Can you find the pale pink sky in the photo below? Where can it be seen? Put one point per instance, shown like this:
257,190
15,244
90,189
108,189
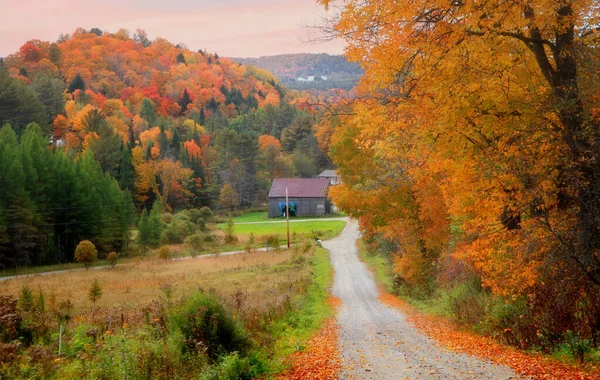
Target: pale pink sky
240,28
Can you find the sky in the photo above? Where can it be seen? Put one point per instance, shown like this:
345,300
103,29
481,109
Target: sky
232,28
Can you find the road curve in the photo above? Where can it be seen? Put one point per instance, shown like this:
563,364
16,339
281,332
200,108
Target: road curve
376,342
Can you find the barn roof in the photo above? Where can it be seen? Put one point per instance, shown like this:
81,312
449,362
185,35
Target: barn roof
299,187
328,173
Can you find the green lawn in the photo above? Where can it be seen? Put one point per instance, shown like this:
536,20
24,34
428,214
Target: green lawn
328,228
261,216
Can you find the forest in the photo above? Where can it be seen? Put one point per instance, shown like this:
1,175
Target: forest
98,127
485,192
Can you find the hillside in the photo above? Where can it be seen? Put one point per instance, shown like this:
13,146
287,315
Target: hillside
329,71
147,125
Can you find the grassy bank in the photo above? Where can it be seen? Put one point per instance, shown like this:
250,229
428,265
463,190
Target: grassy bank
292,332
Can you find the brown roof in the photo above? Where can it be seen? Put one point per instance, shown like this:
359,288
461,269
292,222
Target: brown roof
299,187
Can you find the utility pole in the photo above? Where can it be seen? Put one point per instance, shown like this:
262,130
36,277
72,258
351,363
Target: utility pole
287,215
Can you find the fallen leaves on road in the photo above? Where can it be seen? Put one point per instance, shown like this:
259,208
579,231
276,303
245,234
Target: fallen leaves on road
450,336
321,359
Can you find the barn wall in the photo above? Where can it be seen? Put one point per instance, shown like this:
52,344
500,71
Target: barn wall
306,206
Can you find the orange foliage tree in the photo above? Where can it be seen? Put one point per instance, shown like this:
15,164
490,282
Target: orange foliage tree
474,136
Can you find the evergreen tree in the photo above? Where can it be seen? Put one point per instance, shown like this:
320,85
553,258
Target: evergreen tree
55,53
144,232
107,149
175,146
181,58
163,142
50,92
76,84
202,118
131,143
148,112
126,175
148,153
184,101
20,105
155,224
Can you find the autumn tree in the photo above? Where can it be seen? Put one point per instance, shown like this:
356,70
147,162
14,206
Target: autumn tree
228,198
478,119
86,253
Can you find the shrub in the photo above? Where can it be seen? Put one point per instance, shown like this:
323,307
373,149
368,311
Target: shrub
164,253
206,214
167,218
195,242
234,367
112,259
86,253
201,224
178,230
26,300
229,237
250,243
271,241
10,319
95,292
207,326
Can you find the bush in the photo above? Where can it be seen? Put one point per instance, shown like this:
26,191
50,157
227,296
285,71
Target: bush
26,300
271,241
195,242
201,224
95,292
234,367
466,302
112,259
208,327
86,253
164,253
229,236
206,214
181,227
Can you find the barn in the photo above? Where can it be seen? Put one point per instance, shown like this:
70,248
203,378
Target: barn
307,197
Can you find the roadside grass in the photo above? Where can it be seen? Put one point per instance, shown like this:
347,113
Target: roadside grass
440,304
325,229
293,331
380,266
382,269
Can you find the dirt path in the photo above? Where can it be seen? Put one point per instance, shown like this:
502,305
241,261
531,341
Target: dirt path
376,342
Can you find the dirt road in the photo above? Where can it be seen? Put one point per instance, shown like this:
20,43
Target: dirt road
376,342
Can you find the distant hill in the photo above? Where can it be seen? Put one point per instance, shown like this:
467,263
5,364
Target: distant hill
308,71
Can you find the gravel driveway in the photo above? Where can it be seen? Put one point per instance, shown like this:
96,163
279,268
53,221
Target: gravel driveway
376,342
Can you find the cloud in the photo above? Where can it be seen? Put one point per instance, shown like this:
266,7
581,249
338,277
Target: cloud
231,27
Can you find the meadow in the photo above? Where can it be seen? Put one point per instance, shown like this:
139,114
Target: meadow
264,307
324,229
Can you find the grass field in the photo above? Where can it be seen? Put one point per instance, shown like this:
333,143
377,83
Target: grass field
139,282
261,216
277,300
326,229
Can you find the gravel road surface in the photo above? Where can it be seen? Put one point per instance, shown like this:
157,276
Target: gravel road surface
376,342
